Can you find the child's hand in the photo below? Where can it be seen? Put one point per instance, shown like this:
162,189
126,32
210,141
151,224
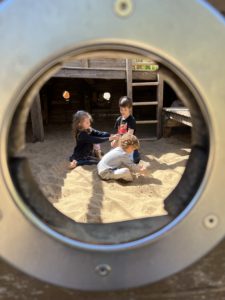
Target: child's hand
143,171
114,144
130,131
114,137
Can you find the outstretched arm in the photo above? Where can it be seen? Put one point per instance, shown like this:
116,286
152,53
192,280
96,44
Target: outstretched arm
97,139
130,164
93,139
98,133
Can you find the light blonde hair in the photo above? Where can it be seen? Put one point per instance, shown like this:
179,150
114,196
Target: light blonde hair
78,117
129,140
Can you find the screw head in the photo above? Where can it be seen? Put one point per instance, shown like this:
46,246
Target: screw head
103,270
123,8
211,221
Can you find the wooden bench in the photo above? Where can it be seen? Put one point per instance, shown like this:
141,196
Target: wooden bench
175,117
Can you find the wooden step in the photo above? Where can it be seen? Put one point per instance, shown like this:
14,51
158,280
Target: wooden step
145,83
147,122
145,103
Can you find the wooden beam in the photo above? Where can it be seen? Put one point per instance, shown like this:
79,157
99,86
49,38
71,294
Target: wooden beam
37,120
97,63
92,73
104,74
107,63
129,77
160,106
144,75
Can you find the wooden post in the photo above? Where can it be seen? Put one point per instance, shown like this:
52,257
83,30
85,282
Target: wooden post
129,77
37,120
160,106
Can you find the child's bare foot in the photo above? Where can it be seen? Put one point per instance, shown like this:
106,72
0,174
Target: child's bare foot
98,154
72,165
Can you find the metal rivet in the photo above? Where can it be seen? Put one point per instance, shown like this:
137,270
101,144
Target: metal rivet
211,221
123,8
103,270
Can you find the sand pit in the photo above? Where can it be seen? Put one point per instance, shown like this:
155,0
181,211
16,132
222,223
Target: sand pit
82,196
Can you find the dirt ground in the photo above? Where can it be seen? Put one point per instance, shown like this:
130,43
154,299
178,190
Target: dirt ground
82,196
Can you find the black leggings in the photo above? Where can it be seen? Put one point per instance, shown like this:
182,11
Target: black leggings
91,160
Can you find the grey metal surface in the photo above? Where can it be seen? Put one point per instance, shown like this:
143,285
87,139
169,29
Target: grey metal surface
58,30
204,280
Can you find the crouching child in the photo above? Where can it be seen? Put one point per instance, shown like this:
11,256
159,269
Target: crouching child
117,164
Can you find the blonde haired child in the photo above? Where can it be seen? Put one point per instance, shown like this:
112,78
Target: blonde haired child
86,137
117,164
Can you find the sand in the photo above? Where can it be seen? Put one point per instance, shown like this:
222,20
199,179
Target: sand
81,195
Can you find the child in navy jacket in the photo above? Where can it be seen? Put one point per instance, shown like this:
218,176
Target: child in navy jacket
87,139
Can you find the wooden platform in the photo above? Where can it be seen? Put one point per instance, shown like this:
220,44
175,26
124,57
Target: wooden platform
105,68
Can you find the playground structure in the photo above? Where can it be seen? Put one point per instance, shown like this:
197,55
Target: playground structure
86,81
138,79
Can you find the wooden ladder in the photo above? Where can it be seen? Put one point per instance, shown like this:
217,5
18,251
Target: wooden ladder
158,103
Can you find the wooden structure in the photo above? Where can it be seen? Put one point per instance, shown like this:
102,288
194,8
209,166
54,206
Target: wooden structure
137,73
175,117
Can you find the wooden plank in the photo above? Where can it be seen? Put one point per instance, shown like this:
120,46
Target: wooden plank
179,114
181,119
107,63
182,111
144,75
145,103
91,73
73,64
147,83
129,78
147,122
160,106
37,120
102,74
98,63
95,69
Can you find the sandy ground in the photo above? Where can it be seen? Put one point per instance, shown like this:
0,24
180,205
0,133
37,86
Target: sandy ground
82,196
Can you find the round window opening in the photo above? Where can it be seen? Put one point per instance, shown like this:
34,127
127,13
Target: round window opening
115,173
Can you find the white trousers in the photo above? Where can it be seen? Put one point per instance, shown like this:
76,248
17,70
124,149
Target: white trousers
122,173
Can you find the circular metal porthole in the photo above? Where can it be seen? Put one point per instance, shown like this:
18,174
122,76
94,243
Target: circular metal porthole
39,240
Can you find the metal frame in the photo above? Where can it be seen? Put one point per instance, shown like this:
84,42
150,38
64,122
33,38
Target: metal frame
30,244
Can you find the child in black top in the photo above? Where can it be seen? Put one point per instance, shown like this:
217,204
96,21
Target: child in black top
86,137
126,123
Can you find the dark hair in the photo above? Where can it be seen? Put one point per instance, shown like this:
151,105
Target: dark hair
78,117
125,102
129,140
